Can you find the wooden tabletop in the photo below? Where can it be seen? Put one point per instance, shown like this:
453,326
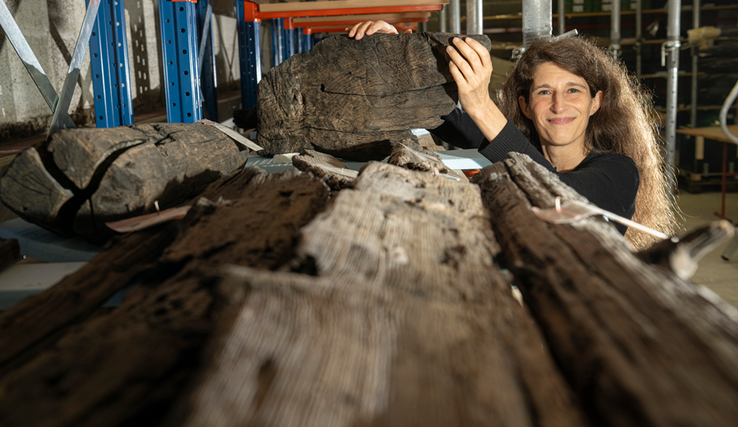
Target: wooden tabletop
711,132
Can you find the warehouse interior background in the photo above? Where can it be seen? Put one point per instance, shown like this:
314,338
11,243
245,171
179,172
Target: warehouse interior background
51,28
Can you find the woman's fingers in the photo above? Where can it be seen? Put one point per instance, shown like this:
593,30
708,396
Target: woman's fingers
360,30
471,55
459,61
368,28
473,61
481,52
457,74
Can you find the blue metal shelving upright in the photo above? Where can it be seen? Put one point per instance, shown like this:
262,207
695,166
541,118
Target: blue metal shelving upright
208,75
249,52
277,43
288,38
306,40
111,81
179,39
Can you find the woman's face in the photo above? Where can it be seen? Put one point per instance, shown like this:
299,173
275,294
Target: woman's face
560,106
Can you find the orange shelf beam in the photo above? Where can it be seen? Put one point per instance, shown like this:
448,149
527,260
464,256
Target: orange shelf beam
252,13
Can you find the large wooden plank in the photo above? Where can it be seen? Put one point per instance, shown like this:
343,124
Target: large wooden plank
638,344
30,191
355,98
403,320
78,295
125,366
83,178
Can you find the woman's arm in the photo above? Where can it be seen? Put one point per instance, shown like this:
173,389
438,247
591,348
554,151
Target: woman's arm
471,67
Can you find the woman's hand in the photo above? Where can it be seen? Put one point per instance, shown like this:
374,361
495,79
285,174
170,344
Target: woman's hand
370,27
472,73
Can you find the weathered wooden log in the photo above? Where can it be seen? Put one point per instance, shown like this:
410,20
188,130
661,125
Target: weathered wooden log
9,252
408,322
639,345
331,170
380,304
682,256
42,317
30,191
354,98
410,155
83,178
124,367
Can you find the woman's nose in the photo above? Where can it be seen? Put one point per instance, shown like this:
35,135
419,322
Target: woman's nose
558,104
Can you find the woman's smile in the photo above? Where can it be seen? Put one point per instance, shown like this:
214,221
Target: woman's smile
559,104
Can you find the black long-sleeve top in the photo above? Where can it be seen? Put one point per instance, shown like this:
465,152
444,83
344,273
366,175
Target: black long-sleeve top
608,180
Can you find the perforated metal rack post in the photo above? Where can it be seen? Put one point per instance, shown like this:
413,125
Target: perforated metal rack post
249,52
179,40
111,82
288,38
305,41
208,75
277,48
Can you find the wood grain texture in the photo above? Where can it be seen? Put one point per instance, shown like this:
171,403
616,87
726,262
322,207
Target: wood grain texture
639,345
79,152
32,193
75,297
354,98
125,366
83,178
409,155
406,322
326,167
279,301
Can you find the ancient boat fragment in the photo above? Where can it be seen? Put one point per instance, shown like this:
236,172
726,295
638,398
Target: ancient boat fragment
355,98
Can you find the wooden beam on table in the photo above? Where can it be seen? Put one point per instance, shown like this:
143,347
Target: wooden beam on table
711,132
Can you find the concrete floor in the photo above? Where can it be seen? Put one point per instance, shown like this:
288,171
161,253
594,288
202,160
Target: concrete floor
714,272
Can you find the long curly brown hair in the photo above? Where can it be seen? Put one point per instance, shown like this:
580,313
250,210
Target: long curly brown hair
626,123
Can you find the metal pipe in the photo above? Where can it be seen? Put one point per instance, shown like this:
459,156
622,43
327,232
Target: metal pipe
474,17
670,58
639,37
536,21
454,14
562,12
443,20
615,30
695,24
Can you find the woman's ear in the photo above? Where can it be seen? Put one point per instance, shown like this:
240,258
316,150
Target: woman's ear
524,106
596,103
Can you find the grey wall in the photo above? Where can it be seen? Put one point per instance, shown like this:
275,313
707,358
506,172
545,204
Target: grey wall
51,28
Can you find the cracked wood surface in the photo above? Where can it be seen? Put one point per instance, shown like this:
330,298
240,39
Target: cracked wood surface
83,366
638,344
354,98
280,301
405,320
83,178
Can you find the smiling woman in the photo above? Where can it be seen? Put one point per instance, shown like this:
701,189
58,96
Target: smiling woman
573,109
